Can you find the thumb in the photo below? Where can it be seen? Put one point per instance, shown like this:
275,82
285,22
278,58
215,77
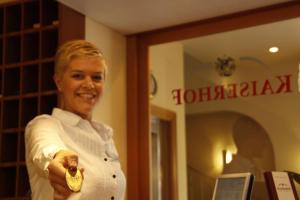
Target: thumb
68,159
81,171
71,162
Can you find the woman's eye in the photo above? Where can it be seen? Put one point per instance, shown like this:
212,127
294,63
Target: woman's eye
97,77
77,76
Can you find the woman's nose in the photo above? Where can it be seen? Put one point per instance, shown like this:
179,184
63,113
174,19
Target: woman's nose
88,83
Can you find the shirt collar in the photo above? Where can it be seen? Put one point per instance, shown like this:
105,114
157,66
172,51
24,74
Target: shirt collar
74,120
66,116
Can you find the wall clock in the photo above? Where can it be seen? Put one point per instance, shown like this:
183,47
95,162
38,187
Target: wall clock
153,85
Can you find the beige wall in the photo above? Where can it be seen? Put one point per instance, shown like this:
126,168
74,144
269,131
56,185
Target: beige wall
277,113
112,107
166,63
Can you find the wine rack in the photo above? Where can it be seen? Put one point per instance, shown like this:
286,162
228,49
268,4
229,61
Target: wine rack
30,32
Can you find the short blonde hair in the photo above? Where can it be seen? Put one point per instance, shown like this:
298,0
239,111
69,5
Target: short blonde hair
75,49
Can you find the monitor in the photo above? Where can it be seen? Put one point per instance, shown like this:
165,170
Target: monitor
237,186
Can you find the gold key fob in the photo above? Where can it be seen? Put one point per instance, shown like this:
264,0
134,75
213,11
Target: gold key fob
74,180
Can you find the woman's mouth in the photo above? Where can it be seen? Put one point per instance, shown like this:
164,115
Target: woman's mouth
87,96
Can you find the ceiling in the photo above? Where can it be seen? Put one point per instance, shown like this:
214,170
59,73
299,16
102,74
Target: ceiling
250,44
134,16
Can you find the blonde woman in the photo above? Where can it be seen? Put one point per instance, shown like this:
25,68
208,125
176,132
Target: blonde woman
67,147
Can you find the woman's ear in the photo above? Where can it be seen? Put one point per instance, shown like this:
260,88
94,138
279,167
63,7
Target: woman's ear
57,80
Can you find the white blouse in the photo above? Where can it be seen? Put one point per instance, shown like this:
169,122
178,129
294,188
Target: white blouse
45,135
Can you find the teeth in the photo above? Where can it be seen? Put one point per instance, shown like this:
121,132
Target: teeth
87,96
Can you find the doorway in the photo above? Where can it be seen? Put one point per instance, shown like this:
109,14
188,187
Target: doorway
163,154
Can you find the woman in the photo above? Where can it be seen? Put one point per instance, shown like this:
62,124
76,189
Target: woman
59,145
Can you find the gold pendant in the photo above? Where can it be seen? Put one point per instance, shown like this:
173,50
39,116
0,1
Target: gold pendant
74,181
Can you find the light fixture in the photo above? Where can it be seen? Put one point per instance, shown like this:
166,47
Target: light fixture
273,49
227,156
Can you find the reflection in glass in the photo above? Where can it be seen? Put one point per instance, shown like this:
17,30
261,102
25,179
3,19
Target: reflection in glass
256,106
162,177
156,159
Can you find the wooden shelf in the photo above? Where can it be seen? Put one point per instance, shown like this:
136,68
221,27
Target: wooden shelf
30,32
30,78
47,102
10,114
13,18
31,41
8,147
29,110
49,42
23,186
1,19
31,15
11,81
47,70
12,49
49,12
8,181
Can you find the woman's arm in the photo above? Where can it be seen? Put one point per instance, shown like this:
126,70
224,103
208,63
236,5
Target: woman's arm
47,152
42,142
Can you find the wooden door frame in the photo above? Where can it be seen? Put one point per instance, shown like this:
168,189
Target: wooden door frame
138,108
170,117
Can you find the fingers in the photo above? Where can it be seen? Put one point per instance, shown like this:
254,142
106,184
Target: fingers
71,162
61,190
56,168
68,159
81,171
58,196
63,160
56,180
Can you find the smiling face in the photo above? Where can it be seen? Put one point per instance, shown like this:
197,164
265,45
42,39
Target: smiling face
81,85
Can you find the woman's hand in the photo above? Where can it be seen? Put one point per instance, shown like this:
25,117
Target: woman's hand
62,161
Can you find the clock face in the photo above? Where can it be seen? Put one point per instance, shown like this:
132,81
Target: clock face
153,86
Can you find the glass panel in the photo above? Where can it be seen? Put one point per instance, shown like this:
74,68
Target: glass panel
156,160
236,103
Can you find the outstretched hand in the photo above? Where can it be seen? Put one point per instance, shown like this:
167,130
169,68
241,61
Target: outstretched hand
63,160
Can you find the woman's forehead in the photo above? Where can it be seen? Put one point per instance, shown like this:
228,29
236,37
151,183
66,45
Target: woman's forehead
86,63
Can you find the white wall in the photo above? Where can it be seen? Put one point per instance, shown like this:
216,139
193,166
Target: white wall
112,107
166,63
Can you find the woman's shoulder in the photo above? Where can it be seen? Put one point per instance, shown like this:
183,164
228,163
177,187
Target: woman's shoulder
43,120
